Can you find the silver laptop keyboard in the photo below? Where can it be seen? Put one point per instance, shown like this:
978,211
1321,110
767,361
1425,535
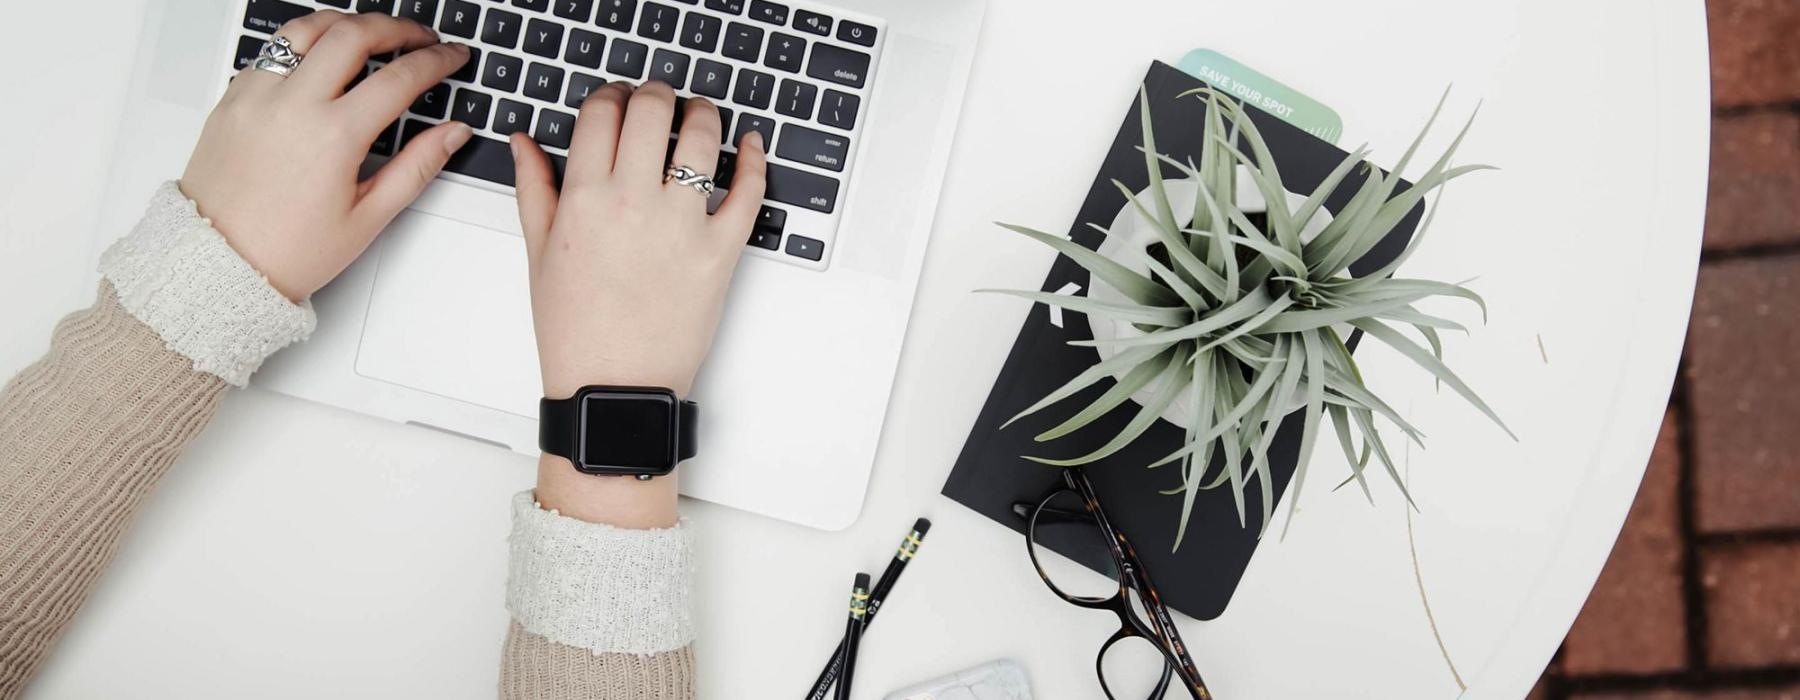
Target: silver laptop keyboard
800,76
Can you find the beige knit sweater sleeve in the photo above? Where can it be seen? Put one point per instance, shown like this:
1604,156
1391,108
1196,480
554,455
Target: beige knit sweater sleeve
87,432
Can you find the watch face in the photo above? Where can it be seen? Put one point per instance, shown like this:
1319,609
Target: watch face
628,432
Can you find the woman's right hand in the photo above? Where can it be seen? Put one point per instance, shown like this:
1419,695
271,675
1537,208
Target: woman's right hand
628,272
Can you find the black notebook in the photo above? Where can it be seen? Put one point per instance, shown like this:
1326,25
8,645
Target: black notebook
990,476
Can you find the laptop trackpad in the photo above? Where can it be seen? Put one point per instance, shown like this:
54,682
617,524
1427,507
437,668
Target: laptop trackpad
451,315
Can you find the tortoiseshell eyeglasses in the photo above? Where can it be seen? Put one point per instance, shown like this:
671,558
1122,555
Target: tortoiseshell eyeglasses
1070,516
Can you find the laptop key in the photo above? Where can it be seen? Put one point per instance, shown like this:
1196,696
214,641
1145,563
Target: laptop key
838,65
771,218
578,10
471,107
725,170
681,113
543,38
700,32
434,103
754,89
616,14
627,59
795,99
764,238
341,4
266,16
813,147
388,142
786,52
802,189
724,124
772,12
670,67
803,247
584,48
554,129
812,22
248,48
839,110
460,18
857,33
533,5
380,7
734,7
658,22
742,42
421,11
484,158
711,78
544,82
501,29
748,122
580,86
469,70
502,72
512,117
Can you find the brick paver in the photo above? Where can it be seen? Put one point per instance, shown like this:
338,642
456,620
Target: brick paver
1762,693
1755,57
1753,193
1752,604
1634,621
1743,375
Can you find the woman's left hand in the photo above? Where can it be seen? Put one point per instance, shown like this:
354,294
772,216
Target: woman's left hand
276,167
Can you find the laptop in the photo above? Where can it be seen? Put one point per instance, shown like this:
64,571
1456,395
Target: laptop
857,99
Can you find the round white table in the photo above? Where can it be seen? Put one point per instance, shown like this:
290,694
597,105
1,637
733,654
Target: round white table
301,551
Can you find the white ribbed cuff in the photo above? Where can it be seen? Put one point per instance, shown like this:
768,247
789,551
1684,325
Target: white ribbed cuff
598,587
177,275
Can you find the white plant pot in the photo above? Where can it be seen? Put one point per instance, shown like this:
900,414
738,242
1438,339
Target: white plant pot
1128,244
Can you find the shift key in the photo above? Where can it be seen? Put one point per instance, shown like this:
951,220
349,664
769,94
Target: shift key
813,147
802,189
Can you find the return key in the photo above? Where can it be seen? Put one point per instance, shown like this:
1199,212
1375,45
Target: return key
813,147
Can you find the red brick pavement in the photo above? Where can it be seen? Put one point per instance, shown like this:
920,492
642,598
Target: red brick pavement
1743,382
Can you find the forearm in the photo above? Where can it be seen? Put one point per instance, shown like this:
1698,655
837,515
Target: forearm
85,433
88,431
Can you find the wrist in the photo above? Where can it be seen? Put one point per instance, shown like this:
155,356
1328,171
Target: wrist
562,385
612,500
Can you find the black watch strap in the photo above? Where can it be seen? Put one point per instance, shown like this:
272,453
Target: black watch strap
559,427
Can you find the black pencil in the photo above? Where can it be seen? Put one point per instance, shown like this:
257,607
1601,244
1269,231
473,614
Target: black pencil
859,610
908,549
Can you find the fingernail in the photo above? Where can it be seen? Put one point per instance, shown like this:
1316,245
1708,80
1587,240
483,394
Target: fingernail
458,136
515,150
754,138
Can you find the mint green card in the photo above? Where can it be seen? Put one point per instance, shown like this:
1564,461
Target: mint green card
1264,93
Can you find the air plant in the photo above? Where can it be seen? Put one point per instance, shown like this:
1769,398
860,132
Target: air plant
1246,322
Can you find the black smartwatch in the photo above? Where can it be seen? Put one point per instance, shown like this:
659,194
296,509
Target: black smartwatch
619,430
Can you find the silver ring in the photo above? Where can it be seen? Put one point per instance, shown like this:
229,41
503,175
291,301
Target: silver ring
690,177
277,56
